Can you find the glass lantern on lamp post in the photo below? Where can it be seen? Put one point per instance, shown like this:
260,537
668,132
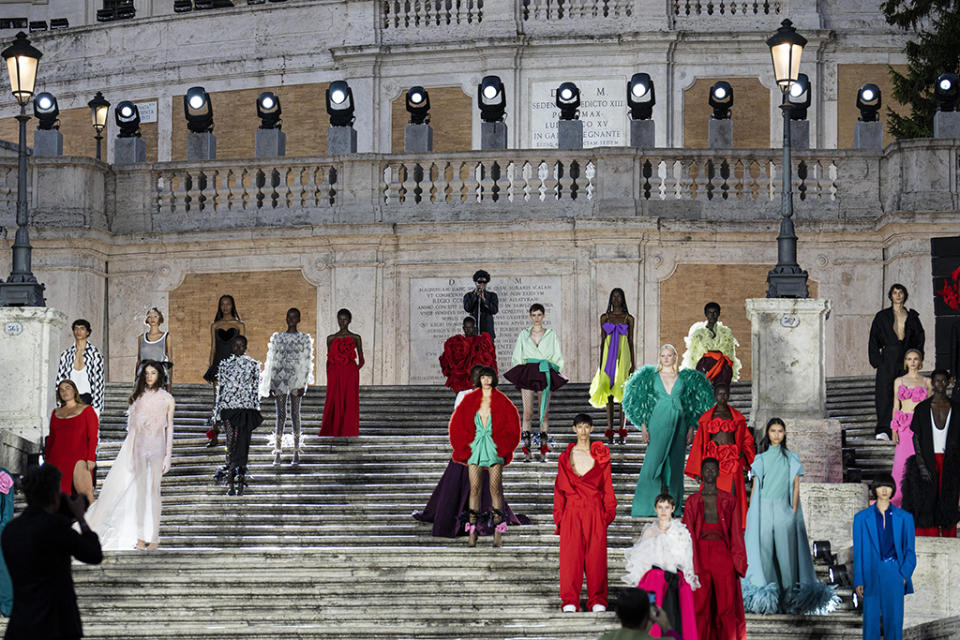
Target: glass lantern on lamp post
787,279
22,289
99,108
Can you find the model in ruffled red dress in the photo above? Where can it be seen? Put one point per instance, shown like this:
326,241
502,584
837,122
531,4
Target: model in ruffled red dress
461,353
341,407
723,434
72,444
584,505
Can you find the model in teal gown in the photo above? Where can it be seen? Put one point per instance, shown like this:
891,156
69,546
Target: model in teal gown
668,416
780,575
6,515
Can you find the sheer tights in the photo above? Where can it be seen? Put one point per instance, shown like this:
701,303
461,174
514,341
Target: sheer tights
531,405
496,490
296,397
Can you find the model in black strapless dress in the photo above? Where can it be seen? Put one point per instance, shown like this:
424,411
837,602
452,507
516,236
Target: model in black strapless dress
221,350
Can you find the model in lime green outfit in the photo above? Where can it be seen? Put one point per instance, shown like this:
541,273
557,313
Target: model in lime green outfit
616,361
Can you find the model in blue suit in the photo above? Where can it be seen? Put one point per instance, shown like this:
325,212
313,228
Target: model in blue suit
883,582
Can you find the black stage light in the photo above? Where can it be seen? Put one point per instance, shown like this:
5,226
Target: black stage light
256,1
198,110
839,575
799,97
492,99
821,551
868,102
38,25
125,9
339,99
568,101
109,11
127,116
212,4
721,99
268,110
418,105
182,6
947,91
46,110
641,96
59,23
13,23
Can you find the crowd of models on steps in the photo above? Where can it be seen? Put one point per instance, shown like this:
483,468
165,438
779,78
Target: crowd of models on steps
727,555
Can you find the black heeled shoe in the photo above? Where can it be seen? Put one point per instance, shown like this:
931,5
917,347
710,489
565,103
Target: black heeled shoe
526,439
241,480
231,481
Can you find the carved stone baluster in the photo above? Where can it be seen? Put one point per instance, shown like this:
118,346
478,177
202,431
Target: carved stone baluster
526,174
695,171
590,172
725,178
543,170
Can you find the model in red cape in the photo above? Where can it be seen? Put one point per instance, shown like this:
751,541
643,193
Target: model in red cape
463,352
661,562
484,431
931,484
719,558
584,505
341,407
450,498
723,434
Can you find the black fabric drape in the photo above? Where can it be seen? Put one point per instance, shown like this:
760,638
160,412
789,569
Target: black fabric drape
886,353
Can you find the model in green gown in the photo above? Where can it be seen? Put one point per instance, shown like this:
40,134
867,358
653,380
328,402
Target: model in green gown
780,575
667,416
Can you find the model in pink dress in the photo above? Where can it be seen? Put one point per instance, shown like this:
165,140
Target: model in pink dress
908,391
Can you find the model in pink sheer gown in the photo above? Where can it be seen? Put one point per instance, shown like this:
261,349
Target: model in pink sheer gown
908,391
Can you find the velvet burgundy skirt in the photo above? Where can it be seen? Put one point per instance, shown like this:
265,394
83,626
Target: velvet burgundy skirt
451,497
528,376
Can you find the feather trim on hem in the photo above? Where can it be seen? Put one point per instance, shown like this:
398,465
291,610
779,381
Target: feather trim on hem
764,600
812,598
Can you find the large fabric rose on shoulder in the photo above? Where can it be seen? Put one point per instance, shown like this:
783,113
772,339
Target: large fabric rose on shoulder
342,351
455,362
483,352
600,452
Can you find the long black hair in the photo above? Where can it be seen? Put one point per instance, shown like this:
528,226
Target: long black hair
233,308
141,385
765,441
623,297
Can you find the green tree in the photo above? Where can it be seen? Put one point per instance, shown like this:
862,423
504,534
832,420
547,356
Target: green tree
936,50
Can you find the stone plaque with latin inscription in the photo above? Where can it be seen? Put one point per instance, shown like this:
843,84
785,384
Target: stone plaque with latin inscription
603,111
436,313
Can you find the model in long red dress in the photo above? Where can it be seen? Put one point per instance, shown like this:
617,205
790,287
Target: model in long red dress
583,508
720,560
734,458
71,440
341,407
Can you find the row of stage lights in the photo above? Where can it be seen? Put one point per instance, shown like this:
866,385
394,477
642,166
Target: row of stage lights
491,100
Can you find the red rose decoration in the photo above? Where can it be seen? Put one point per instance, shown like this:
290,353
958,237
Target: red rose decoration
342,351
455,362
211,434
600,452
483,352
951,293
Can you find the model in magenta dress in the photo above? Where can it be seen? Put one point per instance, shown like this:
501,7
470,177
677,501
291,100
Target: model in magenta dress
906,397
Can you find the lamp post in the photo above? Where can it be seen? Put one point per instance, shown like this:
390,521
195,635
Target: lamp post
99,108
22,289
787,279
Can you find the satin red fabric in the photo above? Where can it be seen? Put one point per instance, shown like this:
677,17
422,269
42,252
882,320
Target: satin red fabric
341,407
71,440
732,463
583,508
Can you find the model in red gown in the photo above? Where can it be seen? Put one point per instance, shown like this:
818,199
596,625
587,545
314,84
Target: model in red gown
583,508
463,352
719,559
735,457
71,440
341,407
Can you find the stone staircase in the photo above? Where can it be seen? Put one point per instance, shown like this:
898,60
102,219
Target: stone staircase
329,550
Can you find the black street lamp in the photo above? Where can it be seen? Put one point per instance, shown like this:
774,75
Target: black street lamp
99,108
787,279
22,289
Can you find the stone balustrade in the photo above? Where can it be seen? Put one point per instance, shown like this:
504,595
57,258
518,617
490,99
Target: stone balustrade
742,185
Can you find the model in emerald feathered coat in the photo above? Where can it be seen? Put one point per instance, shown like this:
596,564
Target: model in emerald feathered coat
665,404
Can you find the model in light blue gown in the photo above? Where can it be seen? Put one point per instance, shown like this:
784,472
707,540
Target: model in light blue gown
780,575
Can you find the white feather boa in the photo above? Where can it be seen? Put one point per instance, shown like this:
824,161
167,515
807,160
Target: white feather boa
671,550
699,341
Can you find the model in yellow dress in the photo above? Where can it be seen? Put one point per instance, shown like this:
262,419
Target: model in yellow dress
616,361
